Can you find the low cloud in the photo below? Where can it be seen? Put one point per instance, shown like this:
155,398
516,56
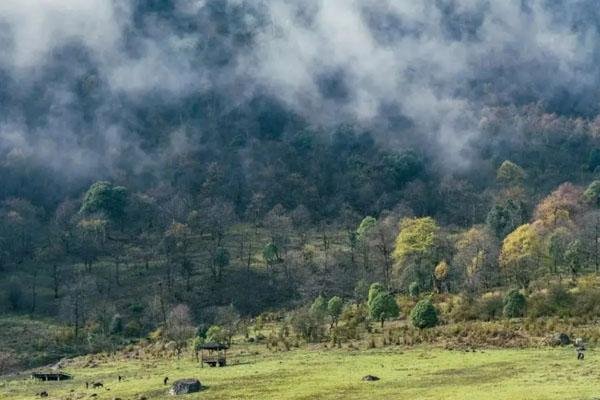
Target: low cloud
413,72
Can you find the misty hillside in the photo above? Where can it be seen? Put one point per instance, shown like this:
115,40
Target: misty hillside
160,93
223,162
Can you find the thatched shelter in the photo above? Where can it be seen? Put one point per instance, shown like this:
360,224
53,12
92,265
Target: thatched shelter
214,354
51,376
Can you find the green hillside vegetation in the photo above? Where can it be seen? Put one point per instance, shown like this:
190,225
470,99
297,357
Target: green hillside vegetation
108,271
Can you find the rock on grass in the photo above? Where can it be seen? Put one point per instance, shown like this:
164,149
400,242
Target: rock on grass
185,386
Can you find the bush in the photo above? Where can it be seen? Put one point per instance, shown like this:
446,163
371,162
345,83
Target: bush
229,320
307,325
374,290
557,301
413,289
586,304
424,315
334,308
489,307
116,325
133,329
156,335
216,334
319,308
197,342
15,295
514,304
355,320
383,307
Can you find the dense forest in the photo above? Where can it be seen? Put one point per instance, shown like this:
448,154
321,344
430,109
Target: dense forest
194,154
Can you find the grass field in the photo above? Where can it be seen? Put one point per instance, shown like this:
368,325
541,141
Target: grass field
418,373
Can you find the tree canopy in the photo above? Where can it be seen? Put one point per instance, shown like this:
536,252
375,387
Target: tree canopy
106,198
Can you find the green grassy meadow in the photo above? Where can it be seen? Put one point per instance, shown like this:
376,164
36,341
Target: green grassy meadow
416,373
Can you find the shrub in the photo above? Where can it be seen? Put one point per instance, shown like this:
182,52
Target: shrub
514,304
354,320
197,342
557,301
424,315
64,336
406,304
489,307
133,329
216,334
587,302
116,325
229,320
334,308
156,335
15,295
538,305
319,308
383,307
413,289
375,289
307,325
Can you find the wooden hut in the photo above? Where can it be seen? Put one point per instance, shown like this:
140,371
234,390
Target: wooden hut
213,354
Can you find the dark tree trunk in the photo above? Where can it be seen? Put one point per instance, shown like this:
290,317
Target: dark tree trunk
34,292
55,279
117,274
76,319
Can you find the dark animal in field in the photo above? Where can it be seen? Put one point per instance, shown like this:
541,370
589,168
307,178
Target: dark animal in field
166,380
43,394
370,378
87,385
120,378
97,385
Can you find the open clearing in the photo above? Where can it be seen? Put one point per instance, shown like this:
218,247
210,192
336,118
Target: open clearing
417,373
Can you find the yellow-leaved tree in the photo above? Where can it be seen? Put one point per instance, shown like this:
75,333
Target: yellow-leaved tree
441,275
477,257
416,251
558,208
521,254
